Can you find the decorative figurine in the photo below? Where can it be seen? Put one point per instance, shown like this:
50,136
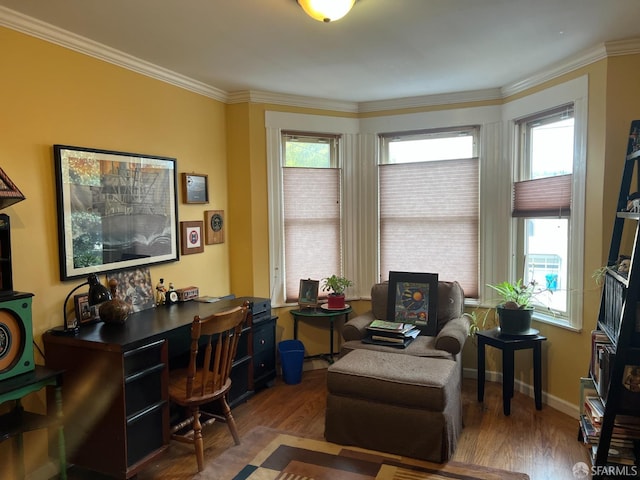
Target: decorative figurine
161,291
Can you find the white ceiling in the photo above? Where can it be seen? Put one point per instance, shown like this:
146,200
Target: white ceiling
383,49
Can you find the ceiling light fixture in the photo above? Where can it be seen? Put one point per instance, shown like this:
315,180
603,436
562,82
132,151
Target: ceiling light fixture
326,10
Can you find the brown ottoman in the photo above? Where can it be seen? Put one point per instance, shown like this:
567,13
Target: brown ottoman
395,403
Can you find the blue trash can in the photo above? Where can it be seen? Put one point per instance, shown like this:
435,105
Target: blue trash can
292,359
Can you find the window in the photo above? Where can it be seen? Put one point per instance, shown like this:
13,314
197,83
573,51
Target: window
312,209
428,204
542,203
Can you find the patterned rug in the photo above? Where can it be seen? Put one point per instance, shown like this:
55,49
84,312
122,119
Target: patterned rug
267,454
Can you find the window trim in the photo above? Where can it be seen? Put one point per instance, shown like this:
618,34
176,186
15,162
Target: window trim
576,92
276,123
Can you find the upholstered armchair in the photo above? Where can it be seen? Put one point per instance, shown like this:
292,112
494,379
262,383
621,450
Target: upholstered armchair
452,330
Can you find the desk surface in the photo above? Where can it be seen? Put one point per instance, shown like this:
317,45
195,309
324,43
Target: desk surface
148,325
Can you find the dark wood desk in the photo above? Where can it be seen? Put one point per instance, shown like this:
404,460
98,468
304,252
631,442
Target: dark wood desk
18,421
115,378
508,345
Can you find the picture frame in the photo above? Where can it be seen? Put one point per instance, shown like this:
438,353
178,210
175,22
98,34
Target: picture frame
413,298
116,210
195,188
85,313
214,226
191,237
134,288
308,293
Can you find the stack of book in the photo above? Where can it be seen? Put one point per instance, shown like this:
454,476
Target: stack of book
626,428
394,334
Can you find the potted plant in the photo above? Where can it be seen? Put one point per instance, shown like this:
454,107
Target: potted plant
336,285
515,311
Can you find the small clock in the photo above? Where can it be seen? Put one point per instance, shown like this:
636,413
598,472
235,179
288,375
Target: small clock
172,297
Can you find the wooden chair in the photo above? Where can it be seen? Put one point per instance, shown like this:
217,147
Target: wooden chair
207,377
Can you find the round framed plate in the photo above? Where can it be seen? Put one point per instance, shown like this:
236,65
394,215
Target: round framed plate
532,332
325,306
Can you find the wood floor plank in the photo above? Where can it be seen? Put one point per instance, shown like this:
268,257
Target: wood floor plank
542,444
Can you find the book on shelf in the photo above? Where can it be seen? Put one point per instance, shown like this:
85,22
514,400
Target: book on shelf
595,408
621,455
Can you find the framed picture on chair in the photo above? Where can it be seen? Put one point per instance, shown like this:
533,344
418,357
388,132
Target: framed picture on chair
413,298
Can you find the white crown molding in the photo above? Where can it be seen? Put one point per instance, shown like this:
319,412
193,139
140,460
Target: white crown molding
258,96
628,46
581,60
36,28
431,100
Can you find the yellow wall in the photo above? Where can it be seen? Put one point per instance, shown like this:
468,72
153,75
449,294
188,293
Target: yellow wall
51,95
566,353
54,95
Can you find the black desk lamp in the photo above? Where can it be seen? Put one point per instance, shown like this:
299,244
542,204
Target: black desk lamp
98,293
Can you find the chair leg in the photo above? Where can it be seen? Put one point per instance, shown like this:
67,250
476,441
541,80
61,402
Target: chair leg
231,423
197,437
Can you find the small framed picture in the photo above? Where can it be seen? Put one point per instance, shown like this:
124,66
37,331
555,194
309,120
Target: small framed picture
195,188
191,239
413,298
308,293
214,226
85,313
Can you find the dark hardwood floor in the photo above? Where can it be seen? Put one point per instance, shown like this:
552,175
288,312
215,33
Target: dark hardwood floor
542,444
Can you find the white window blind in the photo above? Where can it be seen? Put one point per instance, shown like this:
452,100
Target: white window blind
429,220
311,225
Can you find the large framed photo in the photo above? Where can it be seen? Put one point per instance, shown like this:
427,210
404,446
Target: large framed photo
413,298
116,210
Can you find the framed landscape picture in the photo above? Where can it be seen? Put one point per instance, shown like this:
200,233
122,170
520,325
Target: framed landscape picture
413,298
116,210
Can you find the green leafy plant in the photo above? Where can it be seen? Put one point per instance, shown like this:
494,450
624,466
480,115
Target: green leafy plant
336,284
518,295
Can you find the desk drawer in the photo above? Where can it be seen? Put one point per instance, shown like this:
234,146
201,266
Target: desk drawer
264,363
143,389
143,357
145,433
264,338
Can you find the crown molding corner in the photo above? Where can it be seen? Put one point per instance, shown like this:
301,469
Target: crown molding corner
258,96
566,66
431,100
44,31
628,46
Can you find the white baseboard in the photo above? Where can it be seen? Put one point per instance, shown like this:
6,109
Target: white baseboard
550,400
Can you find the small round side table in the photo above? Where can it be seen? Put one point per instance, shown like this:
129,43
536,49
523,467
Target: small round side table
325,315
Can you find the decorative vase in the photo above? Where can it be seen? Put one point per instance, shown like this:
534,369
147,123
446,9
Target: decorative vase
114,310
335,302
514,321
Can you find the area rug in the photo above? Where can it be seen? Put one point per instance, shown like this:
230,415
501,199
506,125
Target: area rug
267,454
